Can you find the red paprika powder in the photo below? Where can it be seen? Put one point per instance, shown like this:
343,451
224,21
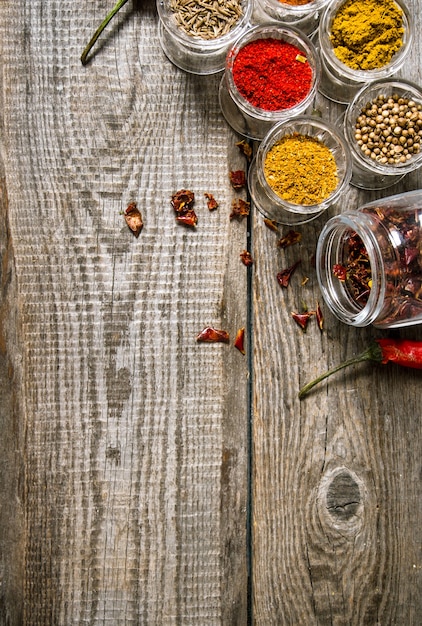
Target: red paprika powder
272,74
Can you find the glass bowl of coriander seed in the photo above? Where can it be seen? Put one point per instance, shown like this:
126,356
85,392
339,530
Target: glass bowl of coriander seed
383,127
301,168
195,35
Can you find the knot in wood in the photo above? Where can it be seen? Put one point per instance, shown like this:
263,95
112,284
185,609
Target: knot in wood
343,496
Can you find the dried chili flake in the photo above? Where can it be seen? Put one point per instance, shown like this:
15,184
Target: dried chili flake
319,317
289,239
239,341
182,200
212,203
238,179
245,148
302,319
240,209
340,272
285,275
213,335
304,280
246,258
133,219
188,218
271,224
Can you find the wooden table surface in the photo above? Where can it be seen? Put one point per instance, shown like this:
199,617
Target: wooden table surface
146,478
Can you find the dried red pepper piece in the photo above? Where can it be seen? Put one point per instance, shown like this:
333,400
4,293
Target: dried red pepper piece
188,218
403,352
271,224
245,148
239,341
285,275
133,219
246,258
238,179
182,200
319,317
213,335
302,319
289,239
340,272
240,209
212,203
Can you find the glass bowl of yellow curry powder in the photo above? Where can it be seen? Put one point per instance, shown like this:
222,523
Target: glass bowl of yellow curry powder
195,35
362,41
301,168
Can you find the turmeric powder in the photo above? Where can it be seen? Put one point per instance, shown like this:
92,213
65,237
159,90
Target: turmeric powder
366,34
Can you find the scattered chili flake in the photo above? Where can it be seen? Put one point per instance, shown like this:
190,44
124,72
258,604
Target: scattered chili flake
213,335
302,319
245,148
133,219
289,239
238,179
271,224
240,209
285,275
239,342
340,272
246,258
212,203
319,317
182,202
188,218
304,281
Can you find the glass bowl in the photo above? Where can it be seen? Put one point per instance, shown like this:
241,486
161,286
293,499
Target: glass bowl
304,17
339,82
271,204
193,53
391,130
252,121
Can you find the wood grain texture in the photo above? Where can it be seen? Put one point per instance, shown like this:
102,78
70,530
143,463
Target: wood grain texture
134,454
336,482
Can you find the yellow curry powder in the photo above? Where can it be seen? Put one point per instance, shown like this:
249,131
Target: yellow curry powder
366,34
301,169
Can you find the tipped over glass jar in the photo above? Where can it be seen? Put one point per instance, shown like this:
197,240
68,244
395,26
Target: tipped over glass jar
369,263
361,42
195,36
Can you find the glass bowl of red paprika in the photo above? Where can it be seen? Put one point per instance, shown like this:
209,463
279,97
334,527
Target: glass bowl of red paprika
272,74
383,126
302,14
300,169
195,36
368,263
361,42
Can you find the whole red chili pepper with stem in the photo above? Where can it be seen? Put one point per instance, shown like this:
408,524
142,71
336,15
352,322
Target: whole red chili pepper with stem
404,352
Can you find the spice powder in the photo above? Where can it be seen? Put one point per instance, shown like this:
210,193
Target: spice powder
366,34
301,169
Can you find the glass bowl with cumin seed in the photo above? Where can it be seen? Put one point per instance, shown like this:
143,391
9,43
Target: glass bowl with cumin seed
301,168
383,127
195,35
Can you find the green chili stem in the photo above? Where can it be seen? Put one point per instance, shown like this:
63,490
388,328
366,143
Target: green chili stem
100,29
373,353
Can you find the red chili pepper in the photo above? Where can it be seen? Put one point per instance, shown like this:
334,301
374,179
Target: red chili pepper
285,275
403,352
239,342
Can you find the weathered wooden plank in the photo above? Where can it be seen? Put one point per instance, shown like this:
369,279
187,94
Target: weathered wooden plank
336,478
134,455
